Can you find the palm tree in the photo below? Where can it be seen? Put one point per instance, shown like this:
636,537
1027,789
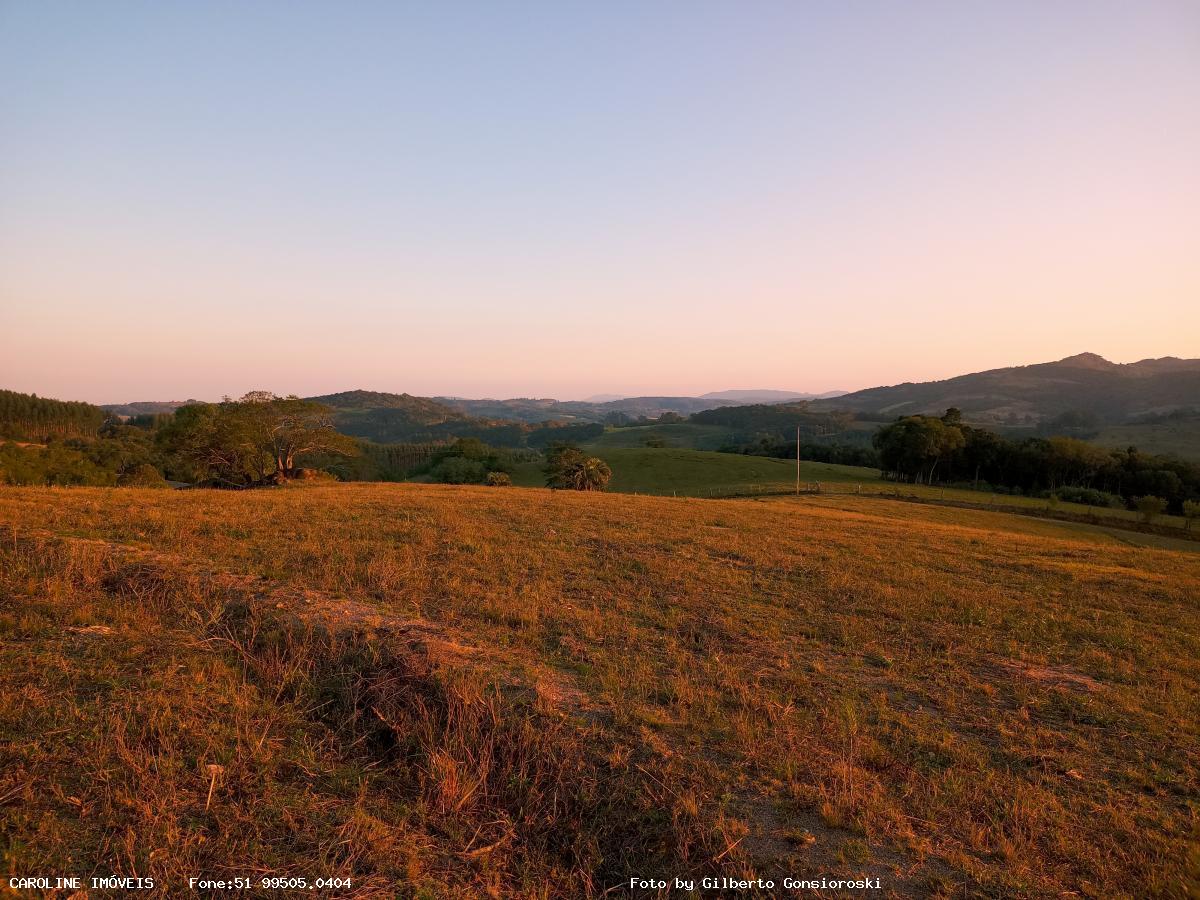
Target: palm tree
569,469
592,474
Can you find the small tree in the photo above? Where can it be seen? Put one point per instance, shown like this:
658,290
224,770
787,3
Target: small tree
1191,511
499,479
1150,507
559,457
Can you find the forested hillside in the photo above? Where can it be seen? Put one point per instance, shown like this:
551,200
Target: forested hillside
1086,386
419,409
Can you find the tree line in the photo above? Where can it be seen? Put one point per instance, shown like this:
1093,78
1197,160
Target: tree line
838,453
262,439
28,417
779,419
257,439
945,450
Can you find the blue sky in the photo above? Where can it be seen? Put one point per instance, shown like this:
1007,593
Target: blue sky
562,199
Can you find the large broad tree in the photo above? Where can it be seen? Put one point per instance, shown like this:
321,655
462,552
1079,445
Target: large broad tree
256,439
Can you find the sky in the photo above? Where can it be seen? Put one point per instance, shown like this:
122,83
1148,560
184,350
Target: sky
553,199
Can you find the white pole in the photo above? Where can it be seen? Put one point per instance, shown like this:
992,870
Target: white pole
797,460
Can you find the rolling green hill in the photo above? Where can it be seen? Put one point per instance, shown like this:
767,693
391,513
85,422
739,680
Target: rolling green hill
685,435
699,473
146,407
420,410
397,418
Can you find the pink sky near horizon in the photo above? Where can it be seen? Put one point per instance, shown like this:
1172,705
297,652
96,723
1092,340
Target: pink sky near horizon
559,203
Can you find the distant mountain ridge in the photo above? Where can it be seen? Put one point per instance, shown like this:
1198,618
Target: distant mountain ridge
1104,391
1027,395
765,396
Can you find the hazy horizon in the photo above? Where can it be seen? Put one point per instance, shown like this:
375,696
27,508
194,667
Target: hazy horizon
594,396
559,201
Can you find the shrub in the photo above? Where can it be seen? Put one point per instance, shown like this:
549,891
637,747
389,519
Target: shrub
1150,506
143,475
1089,497
499,479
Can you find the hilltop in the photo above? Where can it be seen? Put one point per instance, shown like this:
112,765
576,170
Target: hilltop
1085,384
417,410
146,407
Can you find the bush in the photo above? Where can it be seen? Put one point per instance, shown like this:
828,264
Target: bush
143,475
1089,497
1150,506
499,479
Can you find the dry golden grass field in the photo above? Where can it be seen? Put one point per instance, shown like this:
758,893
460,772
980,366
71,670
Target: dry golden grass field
459,692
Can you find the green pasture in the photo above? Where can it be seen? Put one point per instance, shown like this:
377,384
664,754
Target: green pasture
699,473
